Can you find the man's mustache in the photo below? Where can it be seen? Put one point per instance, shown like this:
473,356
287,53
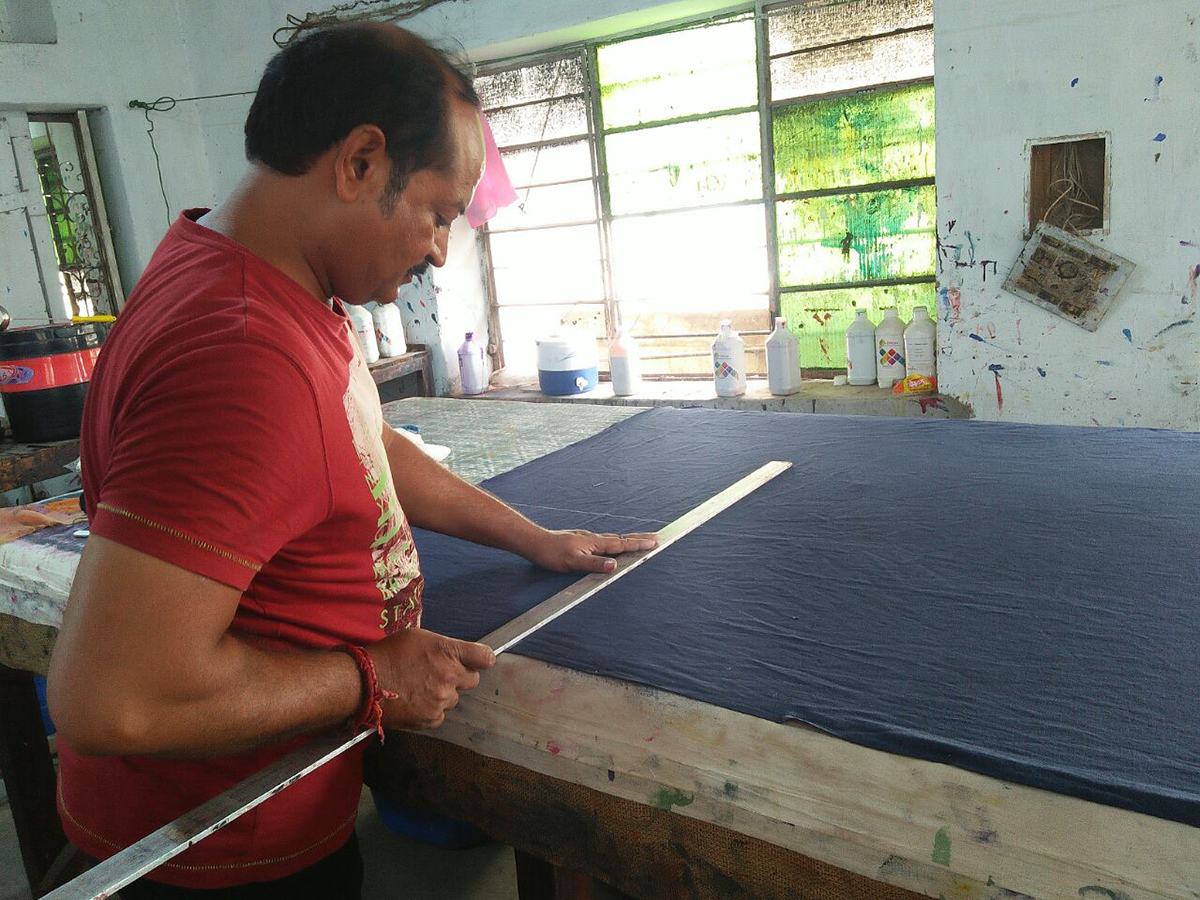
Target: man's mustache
419,270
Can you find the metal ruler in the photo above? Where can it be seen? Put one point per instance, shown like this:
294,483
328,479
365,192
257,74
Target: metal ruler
172,839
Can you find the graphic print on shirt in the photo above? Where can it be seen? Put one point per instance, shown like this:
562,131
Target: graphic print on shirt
394,558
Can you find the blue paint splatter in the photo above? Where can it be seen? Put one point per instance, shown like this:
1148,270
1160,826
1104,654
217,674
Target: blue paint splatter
1103,362
409,305
1074,82
1128,334
1041,371
1188,321
1160,137
995,367
976,337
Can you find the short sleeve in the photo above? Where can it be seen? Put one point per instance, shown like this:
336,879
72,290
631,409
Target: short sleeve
216,461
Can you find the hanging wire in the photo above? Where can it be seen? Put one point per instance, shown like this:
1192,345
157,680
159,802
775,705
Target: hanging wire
358,11
166,104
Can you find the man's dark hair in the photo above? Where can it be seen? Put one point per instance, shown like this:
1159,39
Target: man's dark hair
319,88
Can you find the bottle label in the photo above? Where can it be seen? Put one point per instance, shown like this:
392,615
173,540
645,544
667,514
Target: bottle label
890,355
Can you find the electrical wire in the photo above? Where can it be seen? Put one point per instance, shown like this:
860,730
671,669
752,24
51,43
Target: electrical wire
166,104
358,11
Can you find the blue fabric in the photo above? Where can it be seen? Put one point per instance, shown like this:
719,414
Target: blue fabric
1016,600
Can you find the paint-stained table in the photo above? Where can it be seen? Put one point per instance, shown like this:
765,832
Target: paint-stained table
668,797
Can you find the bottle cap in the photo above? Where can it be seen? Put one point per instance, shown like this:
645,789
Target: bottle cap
781,321
470,335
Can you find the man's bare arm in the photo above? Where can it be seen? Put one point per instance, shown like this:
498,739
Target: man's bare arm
145,664
436,499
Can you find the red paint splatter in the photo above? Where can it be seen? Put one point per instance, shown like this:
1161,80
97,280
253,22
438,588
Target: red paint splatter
553,748
1018,332
649,739
928,403
991,330
817,318
824,349
999,394
1193,274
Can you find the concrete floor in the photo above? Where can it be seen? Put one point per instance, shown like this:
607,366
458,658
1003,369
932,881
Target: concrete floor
395,866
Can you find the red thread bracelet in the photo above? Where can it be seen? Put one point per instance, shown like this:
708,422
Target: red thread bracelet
371,714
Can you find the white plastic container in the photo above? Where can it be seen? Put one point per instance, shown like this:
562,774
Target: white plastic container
920,344
729,362
567,364
860,350
889,349
625,364
364,330
783,360
472,366
389,330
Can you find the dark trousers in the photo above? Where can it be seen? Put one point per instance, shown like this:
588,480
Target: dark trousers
338,876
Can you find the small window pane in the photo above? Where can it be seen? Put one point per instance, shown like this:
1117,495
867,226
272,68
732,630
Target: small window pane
542,165
556,265
540,122
819,319
857,237
822,22
555,205
862,139
682,73
520,326
538,82
690,164
689,261
902,57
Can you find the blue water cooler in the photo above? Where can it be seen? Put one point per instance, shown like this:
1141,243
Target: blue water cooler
568,363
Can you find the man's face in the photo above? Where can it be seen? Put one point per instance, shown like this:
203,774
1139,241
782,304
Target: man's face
382,249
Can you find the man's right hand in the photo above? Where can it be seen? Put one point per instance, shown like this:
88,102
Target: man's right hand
427,670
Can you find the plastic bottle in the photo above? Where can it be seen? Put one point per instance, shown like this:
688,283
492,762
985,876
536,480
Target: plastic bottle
389,330
860,350
364,330
625,364
889,349
783,360
729,362
920,341
472,366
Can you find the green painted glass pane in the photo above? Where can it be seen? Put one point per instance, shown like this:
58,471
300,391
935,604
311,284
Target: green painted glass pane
690,164
862,139
681,73
871,236
819,319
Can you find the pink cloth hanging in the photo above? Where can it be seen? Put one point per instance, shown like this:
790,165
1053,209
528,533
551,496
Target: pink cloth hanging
495,191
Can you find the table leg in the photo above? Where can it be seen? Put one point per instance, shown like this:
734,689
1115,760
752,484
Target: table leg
538,880
29,778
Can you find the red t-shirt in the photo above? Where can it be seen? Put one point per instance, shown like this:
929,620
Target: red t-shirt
232,428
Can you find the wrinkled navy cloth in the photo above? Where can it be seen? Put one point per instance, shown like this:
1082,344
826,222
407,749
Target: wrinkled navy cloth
1016,600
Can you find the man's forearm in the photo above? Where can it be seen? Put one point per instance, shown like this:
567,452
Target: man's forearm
436,499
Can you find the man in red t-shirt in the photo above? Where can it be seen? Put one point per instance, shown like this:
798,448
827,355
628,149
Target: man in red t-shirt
251,576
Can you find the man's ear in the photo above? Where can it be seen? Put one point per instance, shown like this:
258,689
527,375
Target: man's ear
361,165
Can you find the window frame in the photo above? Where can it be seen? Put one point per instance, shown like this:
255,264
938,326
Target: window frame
766,107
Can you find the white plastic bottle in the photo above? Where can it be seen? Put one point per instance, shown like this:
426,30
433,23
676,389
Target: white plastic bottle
889,349
364,330
472,366
625,364
860,350
389,330
729,362
920,343
783,360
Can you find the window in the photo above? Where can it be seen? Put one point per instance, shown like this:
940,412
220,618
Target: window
659,187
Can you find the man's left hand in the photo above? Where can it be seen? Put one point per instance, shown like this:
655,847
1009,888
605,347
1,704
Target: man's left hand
583,551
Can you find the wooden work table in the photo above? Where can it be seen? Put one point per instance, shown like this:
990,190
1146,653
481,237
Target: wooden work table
22,464
668,797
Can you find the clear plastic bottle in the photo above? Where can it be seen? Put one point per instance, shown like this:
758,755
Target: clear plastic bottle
860,350
920,344
889,348
625,364
472,366
364,330
729,362
783,360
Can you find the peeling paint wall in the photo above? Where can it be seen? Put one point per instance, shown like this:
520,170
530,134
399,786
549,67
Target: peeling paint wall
1019,70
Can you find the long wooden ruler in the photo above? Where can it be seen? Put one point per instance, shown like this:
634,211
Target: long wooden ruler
172,839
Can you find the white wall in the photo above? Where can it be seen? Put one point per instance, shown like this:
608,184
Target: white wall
107,54
1004,75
